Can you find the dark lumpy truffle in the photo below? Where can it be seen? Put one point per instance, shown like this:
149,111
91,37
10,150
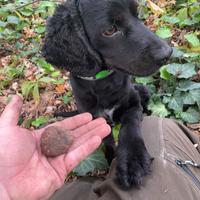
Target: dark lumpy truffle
55,141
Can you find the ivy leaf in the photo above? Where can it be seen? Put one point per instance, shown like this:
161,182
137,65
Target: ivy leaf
176,102
195,94
192,39
188,22
181,70
158,109
164,74
27,12
182,14
40,29
188,98
177,53
191,116
164,32
2,24
94,161
12,20
186,85
44,4
170,19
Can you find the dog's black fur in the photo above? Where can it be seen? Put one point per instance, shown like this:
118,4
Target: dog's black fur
87,36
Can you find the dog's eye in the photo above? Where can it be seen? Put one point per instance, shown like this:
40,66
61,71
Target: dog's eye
111,31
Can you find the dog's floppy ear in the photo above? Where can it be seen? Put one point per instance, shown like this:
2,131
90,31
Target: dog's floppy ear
66,44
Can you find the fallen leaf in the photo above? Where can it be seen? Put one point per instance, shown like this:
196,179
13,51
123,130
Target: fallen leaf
154,8
60,88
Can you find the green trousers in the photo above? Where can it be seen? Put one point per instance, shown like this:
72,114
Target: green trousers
175,150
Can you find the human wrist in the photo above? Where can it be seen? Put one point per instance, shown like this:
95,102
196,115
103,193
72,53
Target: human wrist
4,193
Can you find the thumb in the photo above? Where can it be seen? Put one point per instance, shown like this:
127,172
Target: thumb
11,113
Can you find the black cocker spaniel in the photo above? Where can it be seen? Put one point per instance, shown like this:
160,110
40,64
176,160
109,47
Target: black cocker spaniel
102,43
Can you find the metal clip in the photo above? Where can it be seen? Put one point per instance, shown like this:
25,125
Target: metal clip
192,163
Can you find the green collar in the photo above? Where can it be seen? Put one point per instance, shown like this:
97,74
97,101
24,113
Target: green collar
100,75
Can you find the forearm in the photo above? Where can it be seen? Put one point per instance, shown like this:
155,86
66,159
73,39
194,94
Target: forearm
3,193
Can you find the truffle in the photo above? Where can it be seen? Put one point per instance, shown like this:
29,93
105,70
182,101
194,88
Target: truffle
55,141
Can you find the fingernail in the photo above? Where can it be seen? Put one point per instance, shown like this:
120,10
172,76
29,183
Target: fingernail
88,115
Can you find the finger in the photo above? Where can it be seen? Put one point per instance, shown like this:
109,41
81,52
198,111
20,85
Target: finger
11,112
88,127
102,131
73,158
74,122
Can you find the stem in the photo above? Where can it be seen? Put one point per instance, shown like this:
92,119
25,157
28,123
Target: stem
27,4
17,8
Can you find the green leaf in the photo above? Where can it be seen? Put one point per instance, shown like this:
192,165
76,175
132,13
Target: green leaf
186,85
188,99
115,131
36,94
164,32
191,115
12,20
94,161
66,99
195,94
170,19
55,74
177,53
40,121
27,12
176,102
27,88
188,22
44,65
60,81
2,24
158,109
102,74
44,4
144,80
181,70
192,39
46,79
182,14
164,74
40,29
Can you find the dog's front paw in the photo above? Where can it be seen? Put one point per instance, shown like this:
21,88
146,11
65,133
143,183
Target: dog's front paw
132,166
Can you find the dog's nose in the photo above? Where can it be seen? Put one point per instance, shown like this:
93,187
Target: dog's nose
163,55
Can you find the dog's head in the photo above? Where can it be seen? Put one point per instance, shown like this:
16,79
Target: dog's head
86,36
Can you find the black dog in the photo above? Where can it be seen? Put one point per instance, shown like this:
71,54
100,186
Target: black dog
88,36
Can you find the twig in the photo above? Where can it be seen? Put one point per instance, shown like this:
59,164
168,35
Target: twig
17,8
27,4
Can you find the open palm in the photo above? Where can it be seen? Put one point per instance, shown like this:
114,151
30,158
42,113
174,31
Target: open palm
25,173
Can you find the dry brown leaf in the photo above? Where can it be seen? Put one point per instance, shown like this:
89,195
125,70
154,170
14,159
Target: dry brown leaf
154,8
60,89
5,61
2,78
28,32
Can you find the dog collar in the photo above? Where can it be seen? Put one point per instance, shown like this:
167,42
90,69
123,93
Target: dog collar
100,75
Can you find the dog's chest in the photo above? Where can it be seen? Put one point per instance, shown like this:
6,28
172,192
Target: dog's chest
108,114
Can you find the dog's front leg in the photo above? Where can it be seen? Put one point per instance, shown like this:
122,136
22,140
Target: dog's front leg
133,160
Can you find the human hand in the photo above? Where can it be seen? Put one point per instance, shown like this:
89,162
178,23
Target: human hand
25,173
